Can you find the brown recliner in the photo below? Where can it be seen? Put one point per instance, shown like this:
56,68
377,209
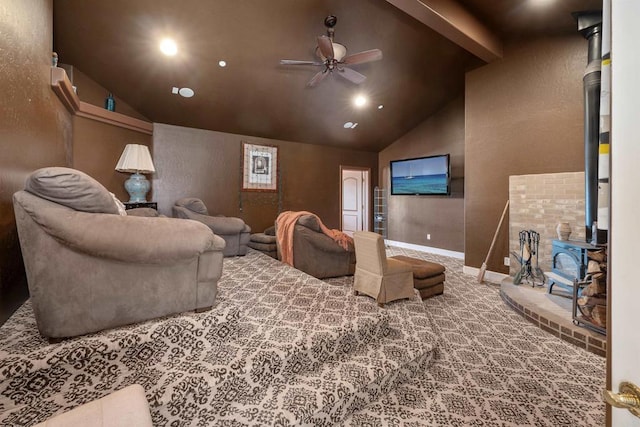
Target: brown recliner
233,230
318,254
91,267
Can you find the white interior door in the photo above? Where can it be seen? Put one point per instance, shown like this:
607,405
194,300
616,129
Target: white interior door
625,201
355,200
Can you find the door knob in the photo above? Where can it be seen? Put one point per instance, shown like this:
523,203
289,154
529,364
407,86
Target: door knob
628,398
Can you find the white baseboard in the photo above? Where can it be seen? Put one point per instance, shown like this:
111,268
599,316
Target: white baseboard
429,249
489,276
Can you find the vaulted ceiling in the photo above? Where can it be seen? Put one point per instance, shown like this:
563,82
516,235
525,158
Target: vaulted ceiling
427,47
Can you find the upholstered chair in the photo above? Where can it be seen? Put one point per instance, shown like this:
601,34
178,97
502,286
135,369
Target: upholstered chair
92,267
385,279
233,230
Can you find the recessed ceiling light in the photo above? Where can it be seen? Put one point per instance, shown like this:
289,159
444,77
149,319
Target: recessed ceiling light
222,63
542,3
168,47
360,101
186,92
380,107
348,125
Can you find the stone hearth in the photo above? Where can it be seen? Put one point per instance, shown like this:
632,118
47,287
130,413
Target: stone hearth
552,313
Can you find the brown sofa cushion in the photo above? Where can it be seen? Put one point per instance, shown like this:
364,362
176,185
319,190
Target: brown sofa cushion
71,188
421,269
431,291
428,282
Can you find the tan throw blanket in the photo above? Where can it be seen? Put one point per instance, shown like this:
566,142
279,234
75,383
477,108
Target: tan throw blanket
285,224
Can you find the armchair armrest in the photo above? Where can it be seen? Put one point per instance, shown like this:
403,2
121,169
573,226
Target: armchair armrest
218,224
222,224
319,240
130,238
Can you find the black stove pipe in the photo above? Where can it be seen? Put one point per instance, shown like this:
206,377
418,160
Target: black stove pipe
590,26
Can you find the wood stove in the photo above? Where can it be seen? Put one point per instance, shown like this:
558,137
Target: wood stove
569,262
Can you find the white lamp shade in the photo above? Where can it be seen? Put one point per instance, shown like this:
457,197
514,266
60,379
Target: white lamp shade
135,158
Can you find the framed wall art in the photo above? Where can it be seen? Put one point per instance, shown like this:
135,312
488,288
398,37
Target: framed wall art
259,167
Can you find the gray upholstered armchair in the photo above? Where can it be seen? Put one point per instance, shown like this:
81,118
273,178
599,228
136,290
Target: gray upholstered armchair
233,230
318,254
91,267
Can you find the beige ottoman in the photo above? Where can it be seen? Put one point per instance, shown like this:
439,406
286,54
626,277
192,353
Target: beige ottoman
428,277
123,408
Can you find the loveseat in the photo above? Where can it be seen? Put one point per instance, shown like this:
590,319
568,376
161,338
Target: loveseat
90,266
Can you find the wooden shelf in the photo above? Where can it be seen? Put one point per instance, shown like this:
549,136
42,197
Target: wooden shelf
62,87
111,117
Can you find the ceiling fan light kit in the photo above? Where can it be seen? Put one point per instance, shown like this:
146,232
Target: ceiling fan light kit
339,52
333,57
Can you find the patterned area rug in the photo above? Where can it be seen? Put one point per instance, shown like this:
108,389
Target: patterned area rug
279,348
492,368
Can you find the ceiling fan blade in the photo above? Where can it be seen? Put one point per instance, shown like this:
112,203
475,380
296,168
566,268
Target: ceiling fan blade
365,56
320,75
325,46
352,76
296,62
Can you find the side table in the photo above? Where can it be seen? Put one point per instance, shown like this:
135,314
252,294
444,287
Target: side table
134,205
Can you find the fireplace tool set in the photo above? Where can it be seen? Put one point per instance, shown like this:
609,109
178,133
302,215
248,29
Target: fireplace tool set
528,259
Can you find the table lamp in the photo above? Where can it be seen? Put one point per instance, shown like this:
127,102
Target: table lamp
136,160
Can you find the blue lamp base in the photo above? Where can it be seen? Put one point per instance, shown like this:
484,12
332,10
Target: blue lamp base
137,186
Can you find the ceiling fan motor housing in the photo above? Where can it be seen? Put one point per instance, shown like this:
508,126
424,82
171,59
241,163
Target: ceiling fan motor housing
330,21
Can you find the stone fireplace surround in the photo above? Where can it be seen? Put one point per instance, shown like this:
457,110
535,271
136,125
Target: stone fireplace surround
539,202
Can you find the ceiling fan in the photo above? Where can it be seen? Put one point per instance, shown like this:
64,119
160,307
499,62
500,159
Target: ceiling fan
333,57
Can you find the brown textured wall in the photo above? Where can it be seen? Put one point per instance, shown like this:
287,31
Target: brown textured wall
206,164
35,129
523,116
411,218
97,147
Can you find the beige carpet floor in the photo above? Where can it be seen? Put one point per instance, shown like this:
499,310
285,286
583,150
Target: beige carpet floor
283,348
278,348
493,368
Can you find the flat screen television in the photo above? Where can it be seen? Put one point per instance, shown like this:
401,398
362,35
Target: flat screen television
422,176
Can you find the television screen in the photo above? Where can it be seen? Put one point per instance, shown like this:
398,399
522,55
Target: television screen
421,176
